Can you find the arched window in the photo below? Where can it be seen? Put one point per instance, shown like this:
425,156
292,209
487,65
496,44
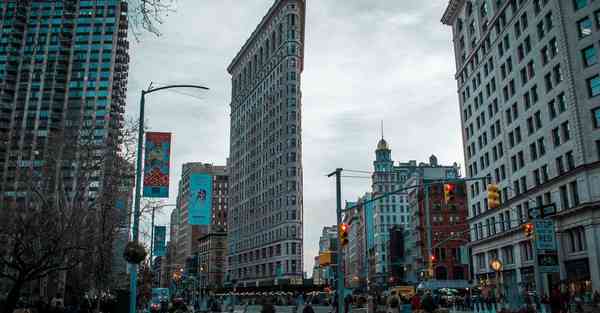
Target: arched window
441,273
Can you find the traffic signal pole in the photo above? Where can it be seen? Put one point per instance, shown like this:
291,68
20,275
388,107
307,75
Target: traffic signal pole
428,232
340,266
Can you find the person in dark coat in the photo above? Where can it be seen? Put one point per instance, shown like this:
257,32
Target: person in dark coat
267,307
308,308
427,304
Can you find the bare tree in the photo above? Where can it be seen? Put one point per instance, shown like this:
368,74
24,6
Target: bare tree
148,15
64,215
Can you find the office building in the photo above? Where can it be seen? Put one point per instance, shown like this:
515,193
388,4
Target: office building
328,243
265,217
528,81
212,253
448,236
187,235
394,209
63,75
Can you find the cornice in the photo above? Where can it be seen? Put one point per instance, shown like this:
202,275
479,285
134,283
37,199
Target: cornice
451,11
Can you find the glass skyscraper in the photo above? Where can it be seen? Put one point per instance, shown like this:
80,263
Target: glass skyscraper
63,77
63,67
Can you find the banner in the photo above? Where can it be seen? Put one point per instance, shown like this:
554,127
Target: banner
156,165
200,202
160,234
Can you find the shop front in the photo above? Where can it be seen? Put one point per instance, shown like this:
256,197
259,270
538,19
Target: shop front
578,278
510,289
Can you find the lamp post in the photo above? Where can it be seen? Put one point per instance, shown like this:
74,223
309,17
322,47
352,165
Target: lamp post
496,265
152,238
138,183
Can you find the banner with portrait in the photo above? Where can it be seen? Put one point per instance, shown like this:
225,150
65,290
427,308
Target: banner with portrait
200,202
156,165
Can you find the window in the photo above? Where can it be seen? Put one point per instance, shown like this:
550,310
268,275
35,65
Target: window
507,255
596,117
552,109
574,193
564,197
556,137
576,239
594,85
541,146
585,27
570,160
566,131
560,166
589,56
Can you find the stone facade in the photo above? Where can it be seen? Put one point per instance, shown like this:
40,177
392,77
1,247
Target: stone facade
265,216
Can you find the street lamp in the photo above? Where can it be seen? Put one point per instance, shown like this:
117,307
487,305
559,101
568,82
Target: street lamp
496,265
138,183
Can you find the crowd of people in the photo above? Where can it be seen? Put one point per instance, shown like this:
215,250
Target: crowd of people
104,303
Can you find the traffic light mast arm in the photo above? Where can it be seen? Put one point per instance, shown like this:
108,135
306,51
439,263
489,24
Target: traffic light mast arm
458,234
429,183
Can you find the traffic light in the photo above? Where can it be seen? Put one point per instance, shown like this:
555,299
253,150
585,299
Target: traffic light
449,192
343,234
432,258
528,229
493,196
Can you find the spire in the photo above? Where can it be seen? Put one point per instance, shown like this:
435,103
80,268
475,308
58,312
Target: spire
382,145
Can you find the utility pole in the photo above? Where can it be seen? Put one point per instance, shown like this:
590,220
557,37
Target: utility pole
340,267
428,231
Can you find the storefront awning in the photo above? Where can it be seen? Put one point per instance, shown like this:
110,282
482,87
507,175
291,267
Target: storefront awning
439,284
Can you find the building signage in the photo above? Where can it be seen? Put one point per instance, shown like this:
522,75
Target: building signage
156,165
548,262
545,238
160,233
200,202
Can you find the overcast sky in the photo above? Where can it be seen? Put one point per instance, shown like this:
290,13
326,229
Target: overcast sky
365,61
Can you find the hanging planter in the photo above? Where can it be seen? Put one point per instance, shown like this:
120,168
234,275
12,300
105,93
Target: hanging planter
134,252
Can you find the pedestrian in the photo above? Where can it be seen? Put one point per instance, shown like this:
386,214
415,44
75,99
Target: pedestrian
596,299
334,304
392,303
308,308
415,302
214,305
267,307
347,303
428,304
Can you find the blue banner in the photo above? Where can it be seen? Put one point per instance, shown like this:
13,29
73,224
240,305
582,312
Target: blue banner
160,234
200,202
156,165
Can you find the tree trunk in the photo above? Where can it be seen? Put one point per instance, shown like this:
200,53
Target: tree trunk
12,298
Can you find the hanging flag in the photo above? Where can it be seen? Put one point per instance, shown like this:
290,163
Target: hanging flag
200,202
156,165
160,234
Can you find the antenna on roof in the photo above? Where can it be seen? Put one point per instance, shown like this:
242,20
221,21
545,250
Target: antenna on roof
381,129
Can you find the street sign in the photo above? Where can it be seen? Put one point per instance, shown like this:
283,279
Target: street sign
548,262
545,238
543,211
548,210
535,212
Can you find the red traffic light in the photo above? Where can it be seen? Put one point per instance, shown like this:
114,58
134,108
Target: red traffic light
432,258
344,227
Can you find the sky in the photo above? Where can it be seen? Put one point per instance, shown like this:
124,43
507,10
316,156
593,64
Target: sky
365,62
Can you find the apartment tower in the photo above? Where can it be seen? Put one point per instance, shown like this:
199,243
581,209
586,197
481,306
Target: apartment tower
528,83
265,217
63,79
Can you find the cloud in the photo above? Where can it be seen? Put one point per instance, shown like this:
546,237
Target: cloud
365,61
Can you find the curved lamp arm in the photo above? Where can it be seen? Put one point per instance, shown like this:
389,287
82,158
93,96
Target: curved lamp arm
173,86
